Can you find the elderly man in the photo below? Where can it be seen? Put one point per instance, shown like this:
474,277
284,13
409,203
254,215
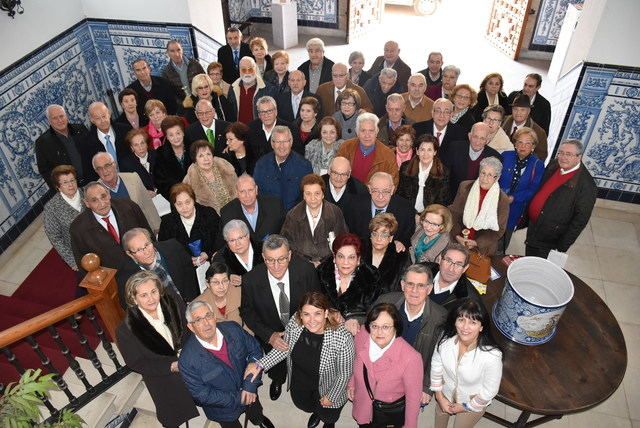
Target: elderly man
180,70
393,118
562,207
380,86
289,101
381,199
229,55
240,254
168,259
520,117
208,127
103,136
463,157
450,76
100,228
262,128
150,87
245,91
341,186
271,294
317,69
262,213
366,154
440,127
391,59
540,106
212,364
279,173
498,140
420,316
418,106
126,185
328,92
59,145
433,72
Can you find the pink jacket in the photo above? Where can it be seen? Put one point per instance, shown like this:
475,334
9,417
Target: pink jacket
398,372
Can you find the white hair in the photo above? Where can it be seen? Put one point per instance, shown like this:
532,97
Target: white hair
315,43
47,112
388,72
367,117
97,155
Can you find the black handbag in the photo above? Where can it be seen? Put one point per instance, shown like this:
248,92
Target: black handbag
385,414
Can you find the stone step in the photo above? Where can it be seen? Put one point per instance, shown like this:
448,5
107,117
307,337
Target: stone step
95,414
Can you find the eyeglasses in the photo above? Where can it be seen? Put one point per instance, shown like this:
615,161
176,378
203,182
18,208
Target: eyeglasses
347,103
380,192
463,97
203,112
105,167
487,175
385,327
66,183
340,174
217,283
280,142
208,317
438,111
567,154
238,239
139,250
246,69
200,88
271,110
428,223
489,120
414,286
455,265
380,235
339,75
279,261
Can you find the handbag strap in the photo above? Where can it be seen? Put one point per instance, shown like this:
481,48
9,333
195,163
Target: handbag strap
366,381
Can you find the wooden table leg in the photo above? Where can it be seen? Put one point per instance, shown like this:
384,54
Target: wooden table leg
523,420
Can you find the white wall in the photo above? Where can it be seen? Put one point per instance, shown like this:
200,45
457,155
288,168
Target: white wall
618,33
206,15
176,11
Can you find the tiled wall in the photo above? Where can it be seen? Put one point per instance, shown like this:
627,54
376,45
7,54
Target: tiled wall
548,24
311,13
76,68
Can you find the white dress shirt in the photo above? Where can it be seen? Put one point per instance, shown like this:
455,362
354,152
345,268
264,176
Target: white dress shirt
436,285
249,265
159,325
275,290
422,178
435,133
207,345
376,352
112,220
335,193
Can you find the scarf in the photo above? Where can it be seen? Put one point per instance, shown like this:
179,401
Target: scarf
218,188
156,135
517,173
457,115
486,216
403,157
422,246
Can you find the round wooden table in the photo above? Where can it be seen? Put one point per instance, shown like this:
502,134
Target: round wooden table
577,369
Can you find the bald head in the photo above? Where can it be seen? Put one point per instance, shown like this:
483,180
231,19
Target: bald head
479,136
100,116
339,172
296,81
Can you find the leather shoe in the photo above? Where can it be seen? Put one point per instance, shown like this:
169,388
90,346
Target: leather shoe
275,390
266,423
314,421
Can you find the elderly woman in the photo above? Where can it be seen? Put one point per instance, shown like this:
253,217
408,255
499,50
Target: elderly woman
193,225
350,285
321,151
521,177
61,210
173,159
348,106
313,223
307,119
402,140
260,52
150,339
424,180
156,112
238,149
278,77
356,73
386,368
383,254
466,367
480,210
432,234
498,139
319,359
221,295
213,179
128,99
202,88
240,254
220,87
464,97
490,94
142,159
450,75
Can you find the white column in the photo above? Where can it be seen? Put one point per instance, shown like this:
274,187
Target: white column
284,19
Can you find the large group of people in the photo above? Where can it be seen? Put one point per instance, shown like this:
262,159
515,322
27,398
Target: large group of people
337,209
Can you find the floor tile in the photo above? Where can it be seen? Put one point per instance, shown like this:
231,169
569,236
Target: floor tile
613,214
619,265
614,234
631,385
7,288
596,285
635,423
616,405
623,301
586,236
583,262
592,418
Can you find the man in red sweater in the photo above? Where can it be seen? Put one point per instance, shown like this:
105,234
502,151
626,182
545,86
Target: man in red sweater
562,207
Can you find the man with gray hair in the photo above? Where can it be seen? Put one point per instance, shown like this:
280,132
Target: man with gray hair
341,186
262,128
149,87
180,71
392,119
317,69
328,92
450,76
562,207
380,86
418,106
271,294
240,254
207,127
245,92
59,145
280,172
391,59
433,72
440,125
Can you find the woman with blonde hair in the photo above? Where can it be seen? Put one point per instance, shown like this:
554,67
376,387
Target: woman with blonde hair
260,52
202,88
432,234
278,76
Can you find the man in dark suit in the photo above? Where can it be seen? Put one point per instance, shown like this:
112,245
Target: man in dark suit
391,59
103,136
317,69
439,126
540,106
168,259
382,85
271,294
341,187
208,128
262,127
433,72
100,228
328,92
60,145
381,200
263,214
289,101
230,54
150,87
457,156
180,71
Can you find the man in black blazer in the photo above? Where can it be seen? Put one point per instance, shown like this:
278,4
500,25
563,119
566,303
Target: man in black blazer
316,64
440,126
267,120
180,71
90,233
289,100
391,59
264,215
230,54
60,145
540,106
150,87
271,293
341,187
103,136
206,115
168,259
380,200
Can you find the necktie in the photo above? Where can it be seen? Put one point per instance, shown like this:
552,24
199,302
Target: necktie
236,57
110,148
111,229
338,94
438,134
211,137
283,304
515,128
379,211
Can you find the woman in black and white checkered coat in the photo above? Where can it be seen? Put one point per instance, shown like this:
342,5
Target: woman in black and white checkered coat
319,359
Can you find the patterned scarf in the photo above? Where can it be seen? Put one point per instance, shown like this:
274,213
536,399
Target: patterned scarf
517,173
156,135
457,115
161,270
218,188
